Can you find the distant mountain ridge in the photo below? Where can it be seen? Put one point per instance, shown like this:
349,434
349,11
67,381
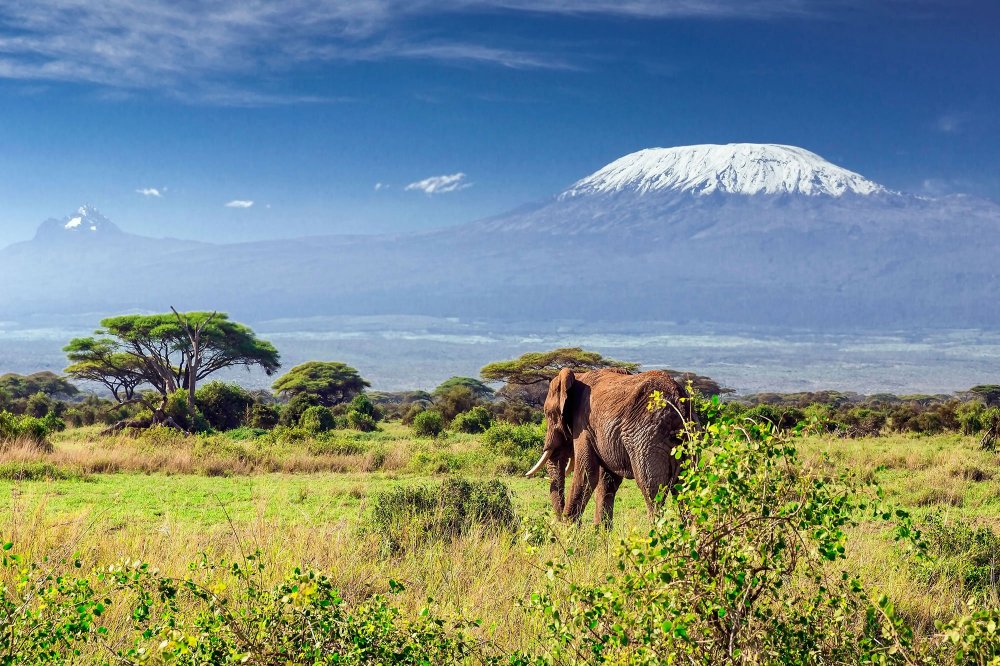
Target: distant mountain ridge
742,233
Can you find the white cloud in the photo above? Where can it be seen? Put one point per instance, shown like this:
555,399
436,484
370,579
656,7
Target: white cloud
151,191
189,50
381,186
239,203
440,184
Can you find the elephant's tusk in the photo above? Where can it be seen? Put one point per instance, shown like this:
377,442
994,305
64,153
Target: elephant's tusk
541,461
569,465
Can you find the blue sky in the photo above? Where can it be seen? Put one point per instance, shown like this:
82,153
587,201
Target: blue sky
304,107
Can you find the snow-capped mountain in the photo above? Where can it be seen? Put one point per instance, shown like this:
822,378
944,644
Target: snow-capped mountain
734,168
743,233
85,221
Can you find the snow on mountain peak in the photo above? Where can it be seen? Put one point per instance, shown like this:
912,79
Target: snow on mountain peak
87,221
87,218
734,168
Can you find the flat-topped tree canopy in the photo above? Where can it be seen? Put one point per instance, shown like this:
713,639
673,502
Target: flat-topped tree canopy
157,350
535,367
480,390
330,382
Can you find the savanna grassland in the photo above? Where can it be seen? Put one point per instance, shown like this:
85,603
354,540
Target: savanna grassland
170,500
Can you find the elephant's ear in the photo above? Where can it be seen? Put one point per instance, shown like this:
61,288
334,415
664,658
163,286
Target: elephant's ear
566,381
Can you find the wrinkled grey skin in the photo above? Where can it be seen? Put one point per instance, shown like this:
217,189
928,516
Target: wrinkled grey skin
600,424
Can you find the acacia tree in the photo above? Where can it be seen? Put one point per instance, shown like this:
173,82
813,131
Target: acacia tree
330,382
526,378
97,360
166,352
480,390
535,367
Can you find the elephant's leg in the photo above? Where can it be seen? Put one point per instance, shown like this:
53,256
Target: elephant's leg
656,479
607,485
586,470
556,468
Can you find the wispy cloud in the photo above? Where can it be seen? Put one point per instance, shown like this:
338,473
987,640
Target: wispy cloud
440,184
939,187
194,50
951,123
381,186
151,191
239,203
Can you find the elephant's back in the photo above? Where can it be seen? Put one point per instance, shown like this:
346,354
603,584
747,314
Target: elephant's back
616,387
635,433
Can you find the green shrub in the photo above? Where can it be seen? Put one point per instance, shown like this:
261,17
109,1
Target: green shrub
361,421
991,429
219,613
410,415
861,422
438,462
362,404
974,637
178,409
246,433
317,419
476,420
414,515
292,411
287,435
263,415
454,400
970,417
224,406
515,441
516,412
39,405
782,418
33,429
428,423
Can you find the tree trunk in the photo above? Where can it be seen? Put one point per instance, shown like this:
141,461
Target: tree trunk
194,358
193,367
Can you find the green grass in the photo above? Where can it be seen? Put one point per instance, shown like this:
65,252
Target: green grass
149,500
166,505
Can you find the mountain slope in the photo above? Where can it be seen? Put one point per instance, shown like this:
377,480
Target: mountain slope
745,233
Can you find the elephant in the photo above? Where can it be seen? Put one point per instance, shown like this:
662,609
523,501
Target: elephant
600,424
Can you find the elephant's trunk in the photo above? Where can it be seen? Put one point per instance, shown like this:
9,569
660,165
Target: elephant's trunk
546,454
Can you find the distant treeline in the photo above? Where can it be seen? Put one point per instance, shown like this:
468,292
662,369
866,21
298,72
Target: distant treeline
972,412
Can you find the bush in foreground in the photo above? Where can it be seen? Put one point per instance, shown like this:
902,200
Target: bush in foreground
751,571
416,514
220,613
